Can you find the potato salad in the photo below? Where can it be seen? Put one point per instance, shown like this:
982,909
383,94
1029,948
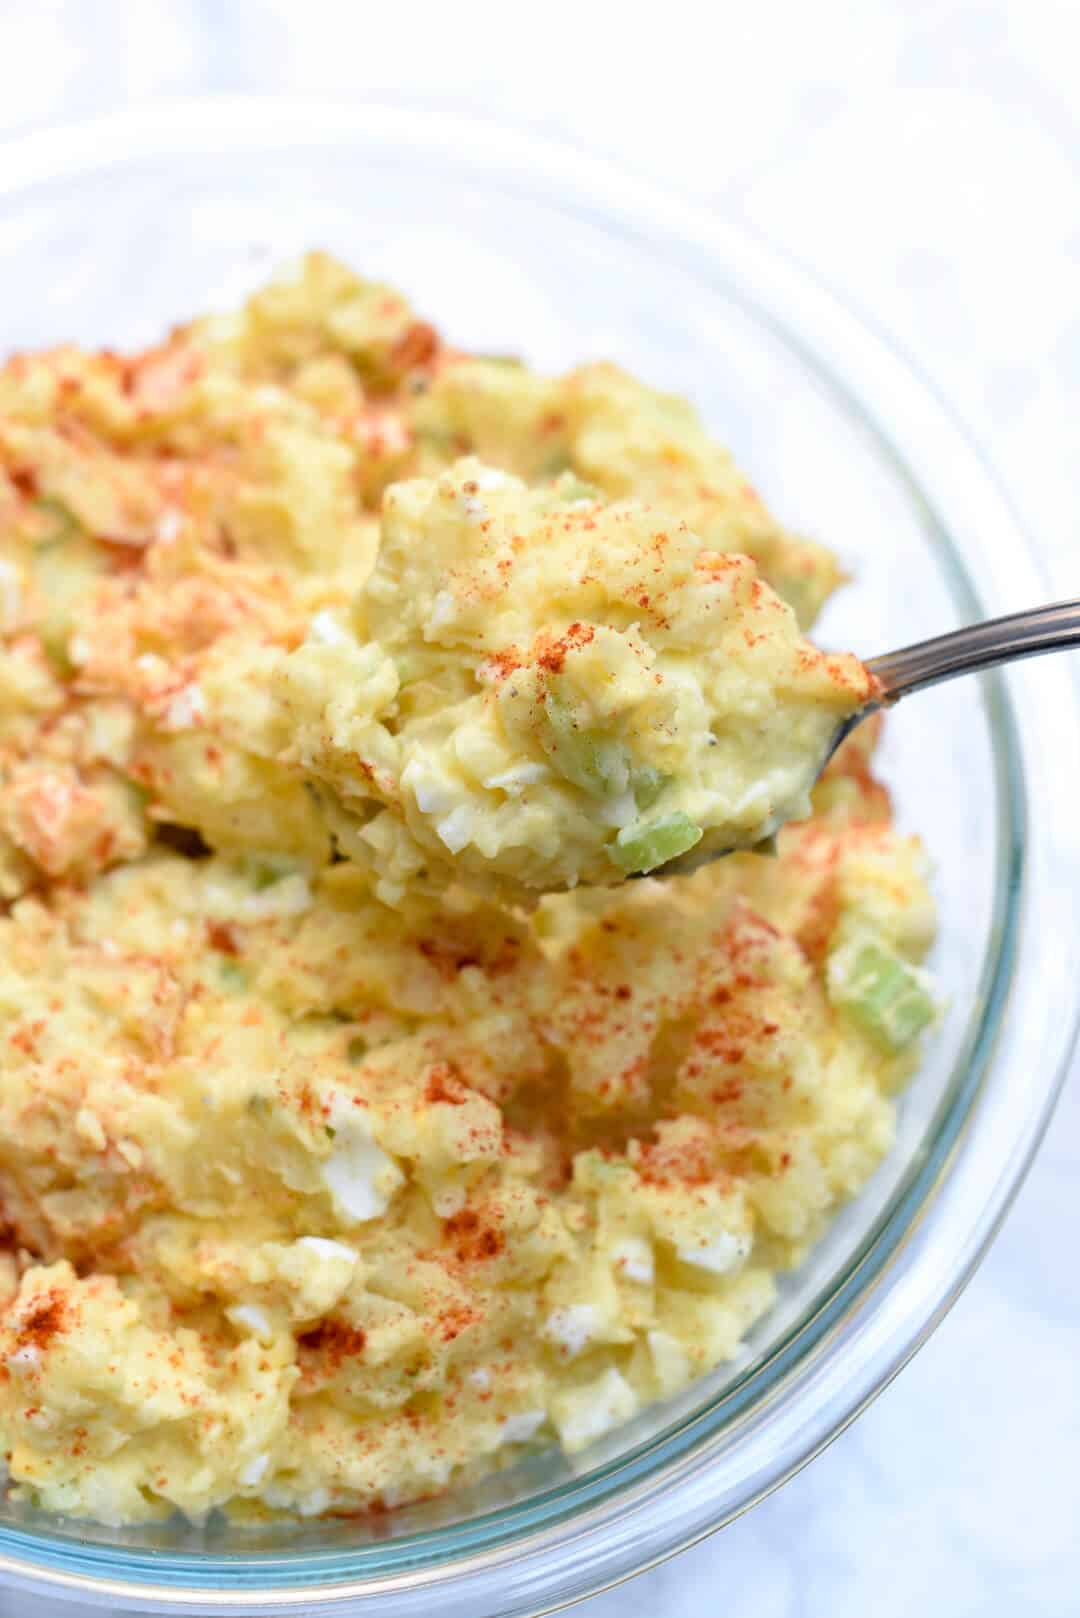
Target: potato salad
362,1128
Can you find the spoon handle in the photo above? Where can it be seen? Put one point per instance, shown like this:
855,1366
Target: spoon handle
980,646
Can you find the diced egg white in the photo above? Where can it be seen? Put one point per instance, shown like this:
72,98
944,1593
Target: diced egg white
448,1200
254,1471
325,630
394,1495
249,1317
456,828
620,811
519,776
587,1413
186,709
721,1255
489,477
573,1327
389,893
442,610
289,896
314,1504
89,1126
633,1258
480,1378
431,793
29,1354
519,1428
359,1175
323,1247
277,1497
168,526
754,801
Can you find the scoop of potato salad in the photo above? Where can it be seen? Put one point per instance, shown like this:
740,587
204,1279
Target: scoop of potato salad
538,687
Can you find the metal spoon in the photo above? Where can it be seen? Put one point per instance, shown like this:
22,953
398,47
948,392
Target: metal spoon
964,651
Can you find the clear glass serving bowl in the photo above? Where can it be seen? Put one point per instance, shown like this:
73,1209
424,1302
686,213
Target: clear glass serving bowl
110,232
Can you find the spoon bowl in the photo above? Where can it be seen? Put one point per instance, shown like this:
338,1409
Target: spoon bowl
976,647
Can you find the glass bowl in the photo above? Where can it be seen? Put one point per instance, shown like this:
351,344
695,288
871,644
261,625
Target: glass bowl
111,231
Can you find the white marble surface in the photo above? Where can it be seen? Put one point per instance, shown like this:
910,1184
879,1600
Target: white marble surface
943,199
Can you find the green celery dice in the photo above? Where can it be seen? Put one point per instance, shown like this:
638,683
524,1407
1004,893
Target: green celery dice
596,763
879,991
63,524
266,869
649,843
66,568
575,488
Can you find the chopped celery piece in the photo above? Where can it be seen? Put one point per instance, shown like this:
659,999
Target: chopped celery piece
592,1168
232,976
573,488
513,360
885,996
66,569
647,784
649,843
64,524
140,796
597,764
266,869
54,639
440,438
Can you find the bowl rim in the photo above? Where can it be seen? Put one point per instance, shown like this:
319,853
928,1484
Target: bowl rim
859,1340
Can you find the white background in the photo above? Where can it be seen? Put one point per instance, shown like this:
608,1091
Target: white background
923,156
